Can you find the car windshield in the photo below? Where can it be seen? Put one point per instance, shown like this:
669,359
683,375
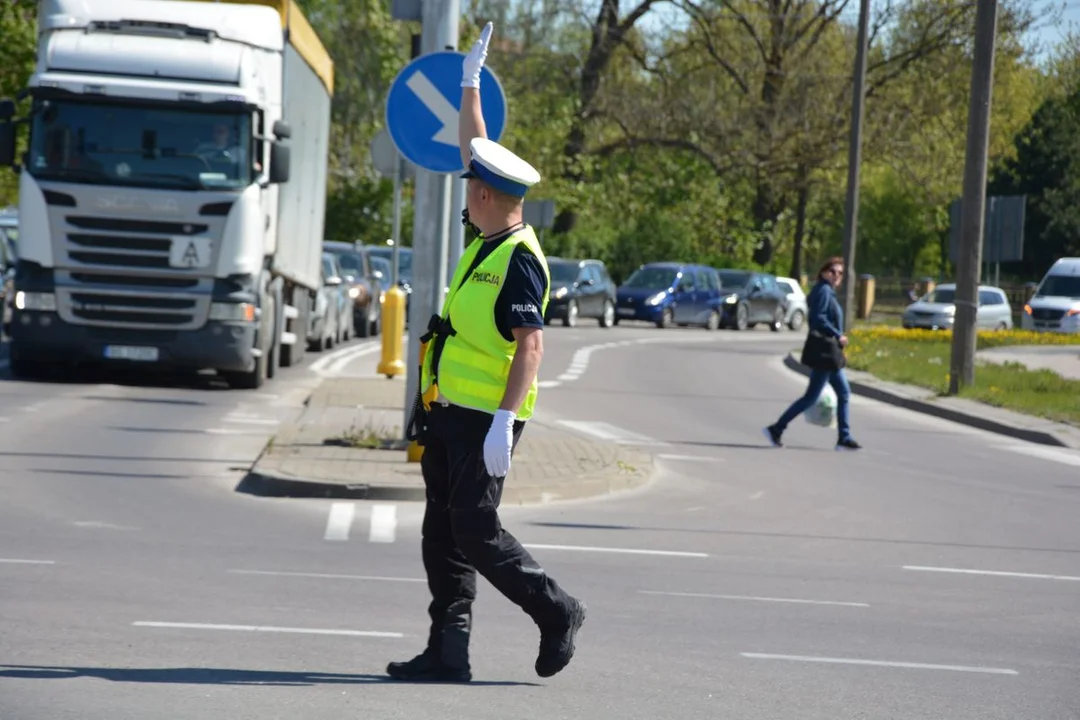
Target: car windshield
351,263
382,265
732,280
651,278
944,296
139,146
1060,286
404,259
563,272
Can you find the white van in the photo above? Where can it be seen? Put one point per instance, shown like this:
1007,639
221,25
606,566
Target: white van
1056,305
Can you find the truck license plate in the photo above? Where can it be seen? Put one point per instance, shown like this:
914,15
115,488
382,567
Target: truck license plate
127,352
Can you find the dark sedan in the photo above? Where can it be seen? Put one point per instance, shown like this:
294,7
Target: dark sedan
580,288
748,298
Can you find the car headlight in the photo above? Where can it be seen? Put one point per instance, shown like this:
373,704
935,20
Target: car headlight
233,312
657,298
354,292
731,299
560,293
39,301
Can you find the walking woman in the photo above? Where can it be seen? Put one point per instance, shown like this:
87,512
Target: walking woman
823,353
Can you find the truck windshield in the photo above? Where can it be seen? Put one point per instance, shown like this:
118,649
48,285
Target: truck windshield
110,144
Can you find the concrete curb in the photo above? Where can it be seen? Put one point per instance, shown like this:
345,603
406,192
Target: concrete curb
637,474
267,484
876,391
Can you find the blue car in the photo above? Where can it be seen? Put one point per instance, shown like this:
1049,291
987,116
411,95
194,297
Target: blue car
670,294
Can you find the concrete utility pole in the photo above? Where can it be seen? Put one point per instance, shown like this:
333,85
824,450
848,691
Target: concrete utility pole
431,221
973,205
851,208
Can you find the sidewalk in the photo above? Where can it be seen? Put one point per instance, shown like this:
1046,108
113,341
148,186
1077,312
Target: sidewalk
334,450
959,410
1062,359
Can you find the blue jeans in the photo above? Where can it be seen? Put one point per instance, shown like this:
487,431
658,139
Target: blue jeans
818,378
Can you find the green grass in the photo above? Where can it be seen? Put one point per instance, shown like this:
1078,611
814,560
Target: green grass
915,359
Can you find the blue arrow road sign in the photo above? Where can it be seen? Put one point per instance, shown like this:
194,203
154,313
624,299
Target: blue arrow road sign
423,105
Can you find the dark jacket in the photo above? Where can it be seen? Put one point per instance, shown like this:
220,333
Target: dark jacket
826,316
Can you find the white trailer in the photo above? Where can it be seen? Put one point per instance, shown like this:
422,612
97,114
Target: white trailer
172,195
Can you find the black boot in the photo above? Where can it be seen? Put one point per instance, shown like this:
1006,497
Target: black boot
557,643
426,668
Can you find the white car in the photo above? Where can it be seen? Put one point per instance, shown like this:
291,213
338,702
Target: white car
1056,304
795,310
936,310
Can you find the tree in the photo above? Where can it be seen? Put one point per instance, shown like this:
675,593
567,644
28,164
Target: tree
18,30
1046,168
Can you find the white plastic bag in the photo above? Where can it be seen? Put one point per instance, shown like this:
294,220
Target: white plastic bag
823,412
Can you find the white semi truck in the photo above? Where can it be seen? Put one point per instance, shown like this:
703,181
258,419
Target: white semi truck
172,190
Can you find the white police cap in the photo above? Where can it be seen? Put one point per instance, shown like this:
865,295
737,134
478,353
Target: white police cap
500,168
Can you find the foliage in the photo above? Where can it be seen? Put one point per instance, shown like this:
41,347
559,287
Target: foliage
984,338
1047,169
18,27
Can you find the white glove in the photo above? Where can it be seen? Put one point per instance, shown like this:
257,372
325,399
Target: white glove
497,444
470,68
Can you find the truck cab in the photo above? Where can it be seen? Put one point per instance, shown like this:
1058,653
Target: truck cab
161,220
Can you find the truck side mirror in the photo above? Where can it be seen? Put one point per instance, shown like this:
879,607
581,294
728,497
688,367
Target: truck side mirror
282,130
7,144
279,163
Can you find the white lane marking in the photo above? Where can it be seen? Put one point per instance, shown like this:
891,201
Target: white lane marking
609,432
797,601
101,525
689,458
996,573
632,551
339,522
320,366
18,561
383,523
231,431
265,628
579,362
250,419
881,663
339,364
328,576
1046,453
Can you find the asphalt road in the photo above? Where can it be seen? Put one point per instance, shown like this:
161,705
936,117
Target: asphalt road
934,574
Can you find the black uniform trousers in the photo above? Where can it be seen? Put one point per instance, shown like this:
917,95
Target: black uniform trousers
462,535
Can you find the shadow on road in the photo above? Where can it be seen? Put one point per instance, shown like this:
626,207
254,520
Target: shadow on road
207,676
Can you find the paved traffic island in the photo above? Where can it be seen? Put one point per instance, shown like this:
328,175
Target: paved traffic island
346,444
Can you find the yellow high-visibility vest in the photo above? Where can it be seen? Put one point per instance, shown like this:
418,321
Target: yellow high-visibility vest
475,362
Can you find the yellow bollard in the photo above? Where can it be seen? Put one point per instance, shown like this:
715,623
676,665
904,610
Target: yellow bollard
393,326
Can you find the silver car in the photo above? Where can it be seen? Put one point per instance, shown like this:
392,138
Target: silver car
795,304
936,310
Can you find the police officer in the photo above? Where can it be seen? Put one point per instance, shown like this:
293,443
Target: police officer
478,387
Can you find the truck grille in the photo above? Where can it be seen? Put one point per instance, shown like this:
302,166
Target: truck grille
120,276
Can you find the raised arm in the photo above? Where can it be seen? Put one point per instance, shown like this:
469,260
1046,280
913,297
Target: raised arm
471,118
